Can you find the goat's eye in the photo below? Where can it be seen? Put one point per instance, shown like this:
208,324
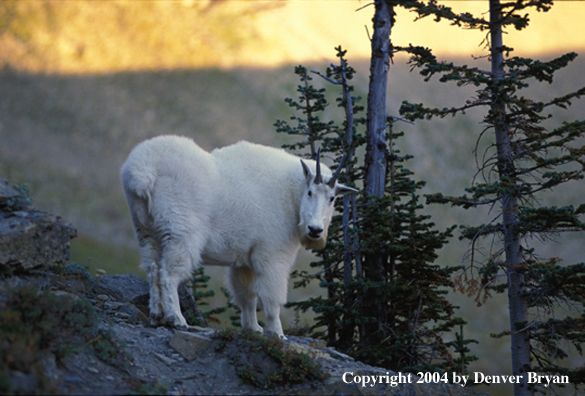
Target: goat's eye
310,193
331,199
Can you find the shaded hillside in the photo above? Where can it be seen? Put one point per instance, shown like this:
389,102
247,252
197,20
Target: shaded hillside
67,136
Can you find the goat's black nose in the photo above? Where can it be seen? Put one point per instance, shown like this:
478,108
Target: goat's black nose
315,230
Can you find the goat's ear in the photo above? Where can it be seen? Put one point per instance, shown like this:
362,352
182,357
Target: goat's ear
307,172
342,189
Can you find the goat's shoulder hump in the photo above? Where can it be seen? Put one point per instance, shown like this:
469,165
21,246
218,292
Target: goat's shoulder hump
250,161
251,152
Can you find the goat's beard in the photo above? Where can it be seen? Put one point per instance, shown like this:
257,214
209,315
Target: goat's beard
313,243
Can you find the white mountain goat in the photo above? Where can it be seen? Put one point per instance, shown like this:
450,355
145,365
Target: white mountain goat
246,206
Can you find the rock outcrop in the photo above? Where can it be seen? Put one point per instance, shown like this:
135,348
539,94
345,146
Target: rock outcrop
30,238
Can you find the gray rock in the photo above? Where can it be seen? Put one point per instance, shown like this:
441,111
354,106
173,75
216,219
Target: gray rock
167,360
30,239
7,194
23,383
128,288
132,289
135,315
189,345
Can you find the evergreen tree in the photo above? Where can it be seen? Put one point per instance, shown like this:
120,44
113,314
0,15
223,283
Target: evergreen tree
201,293
409,289
529,159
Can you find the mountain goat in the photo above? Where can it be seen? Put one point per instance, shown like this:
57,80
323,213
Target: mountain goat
246,206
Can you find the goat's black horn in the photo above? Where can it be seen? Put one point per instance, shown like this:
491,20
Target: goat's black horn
331,182
318,178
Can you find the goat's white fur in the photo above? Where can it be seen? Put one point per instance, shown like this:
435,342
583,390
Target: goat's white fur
245,206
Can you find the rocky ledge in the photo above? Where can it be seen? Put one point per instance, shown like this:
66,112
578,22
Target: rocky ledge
197,361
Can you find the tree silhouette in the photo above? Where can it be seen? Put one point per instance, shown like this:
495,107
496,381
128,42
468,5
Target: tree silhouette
528,159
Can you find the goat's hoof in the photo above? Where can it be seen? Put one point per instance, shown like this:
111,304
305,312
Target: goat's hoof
156,320
273,334
175,322
254,328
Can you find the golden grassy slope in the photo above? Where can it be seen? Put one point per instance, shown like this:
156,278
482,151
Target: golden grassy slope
109,36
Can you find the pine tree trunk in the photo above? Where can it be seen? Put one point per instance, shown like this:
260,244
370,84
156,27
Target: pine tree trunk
376,151
517,303
346,334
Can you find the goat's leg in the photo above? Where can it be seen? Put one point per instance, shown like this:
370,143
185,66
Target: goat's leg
155,297
271,288
150,252
176,266
170,299
151,264
241,281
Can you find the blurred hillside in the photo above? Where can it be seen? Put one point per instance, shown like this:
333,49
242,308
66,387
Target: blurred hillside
82,82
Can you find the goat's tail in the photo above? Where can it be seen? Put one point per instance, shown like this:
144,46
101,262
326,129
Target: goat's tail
138,186
139,181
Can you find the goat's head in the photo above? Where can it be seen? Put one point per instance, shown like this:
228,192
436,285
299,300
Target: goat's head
317,204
